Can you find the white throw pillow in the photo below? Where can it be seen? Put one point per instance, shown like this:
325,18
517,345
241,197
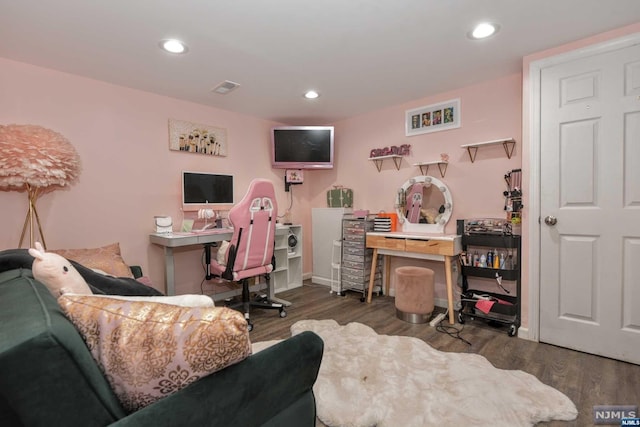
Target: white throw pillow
221,256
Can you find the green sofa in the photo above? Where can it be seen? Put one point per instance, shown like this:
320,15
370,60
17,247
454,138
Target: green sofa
49,378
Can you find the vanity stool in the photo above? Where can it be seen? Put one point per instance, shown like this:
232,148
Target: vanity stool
414,294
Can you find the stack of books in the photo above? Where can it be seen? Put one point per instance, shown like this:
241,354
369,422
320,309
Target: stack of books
382,224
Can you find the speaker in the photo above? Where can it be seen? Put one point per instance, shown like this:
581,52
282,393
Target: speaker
292,241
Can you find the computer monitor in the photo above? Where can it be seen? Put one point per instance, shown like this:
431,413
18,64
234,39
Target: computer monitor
202,189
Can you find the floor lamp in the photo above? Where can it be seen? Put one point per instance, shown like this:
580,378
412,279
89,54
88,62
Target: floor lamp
35,160
32,213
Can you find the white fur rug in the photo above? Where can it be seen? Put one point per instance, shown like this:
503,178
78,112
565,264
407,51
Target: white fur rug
368,380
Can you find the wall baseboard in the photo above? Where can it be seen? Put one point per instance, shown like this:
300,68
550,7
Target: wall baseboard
524,334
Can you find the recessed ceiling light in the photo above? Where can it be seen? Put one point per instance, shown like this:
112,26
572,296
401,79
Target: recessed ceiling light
484,30
312,94
173,46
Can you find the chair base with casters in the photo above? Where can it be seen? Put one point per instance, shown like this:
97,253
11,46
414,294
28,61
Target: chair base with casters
261,301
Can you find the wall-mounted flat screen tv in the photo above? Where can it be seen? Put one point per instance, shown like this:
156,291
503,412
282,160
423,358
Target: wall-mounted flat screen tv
302,147
201,188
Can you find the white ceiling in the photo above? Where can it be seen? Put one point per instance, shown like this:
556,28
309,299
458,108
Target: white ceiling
361,55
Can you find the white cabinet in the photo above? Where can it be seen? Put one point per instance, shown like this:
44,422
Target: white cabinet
288,271
326,226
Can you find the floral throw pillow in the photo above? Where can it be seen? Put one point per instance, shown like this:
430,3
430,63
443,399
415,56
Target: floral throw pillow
150,350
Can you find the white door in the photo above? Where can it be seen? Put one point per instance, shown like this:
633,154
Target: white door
590,185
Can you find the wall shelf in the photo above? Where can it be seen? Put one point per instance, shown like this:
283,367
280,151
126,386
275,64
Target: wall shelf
424,167
397,160
508,144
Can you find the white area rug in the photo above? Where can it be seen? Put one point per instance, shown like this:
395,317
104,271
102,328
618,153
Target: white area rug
368,380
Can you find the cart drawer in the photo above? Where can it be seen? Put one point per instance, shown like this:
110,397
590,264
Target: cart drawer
363,259
359,272
355,224
353,246
357,278
360,264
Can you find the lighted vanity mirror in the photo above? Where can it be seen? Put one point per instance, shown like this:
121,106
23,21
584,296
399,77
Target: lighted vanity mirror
424,205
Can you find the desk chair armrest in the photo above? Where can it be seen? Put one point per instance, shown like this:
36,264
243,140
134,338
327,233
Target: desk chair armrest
231,260
136,270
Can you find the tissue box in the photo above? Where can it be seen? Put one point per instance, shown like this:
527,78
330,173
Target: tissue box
340,198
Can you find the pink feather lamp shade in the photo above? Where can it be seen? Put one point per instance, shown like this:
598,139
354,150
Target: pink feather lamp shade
36,160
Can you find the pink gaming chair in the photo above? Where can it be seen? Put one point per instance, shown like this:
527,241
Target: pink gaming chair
250,252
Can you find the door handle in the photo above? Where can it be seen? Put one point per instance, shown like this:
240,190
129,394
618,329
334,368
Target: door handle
550,220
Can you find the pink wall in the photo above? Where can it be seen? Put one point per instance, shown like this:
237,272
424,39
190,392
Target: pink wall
128,172
490,110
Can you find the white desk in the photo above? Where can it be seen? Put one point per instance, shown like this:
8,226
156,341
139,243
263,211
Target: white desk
180,239
432,246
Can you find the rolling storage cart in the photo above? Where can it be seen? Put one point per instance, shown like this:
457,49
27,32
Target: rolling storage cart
355,267
501,307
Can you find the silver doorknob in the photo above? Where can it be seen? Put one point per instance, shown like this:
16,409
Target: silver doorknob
551,220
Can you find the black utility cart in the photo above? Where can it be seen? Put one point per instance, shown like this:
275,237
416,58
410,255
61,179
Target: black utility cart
506,306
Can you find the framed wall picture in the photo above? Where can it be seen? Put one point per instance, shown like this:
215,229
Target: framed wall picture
432,118
197,138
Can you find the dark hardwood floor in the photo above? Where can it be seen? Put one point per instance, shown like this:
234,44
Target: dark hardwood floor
586,379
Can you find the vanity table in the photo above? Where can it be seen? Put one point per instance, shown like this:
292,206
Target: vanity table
430,246
424,206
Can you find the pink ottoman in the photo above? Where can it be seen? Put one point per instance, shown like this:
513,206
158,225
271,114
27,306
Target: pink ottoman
414,294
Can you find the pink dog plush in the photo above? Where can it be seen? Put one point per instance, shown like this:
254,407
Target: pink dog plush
57,273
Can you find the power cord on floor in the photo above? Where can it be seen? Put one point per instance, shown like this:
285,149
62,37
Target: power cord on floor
452,331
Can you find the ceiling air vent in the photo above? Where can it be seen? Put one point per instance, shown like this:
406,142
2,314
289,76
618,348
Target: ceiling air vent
225,87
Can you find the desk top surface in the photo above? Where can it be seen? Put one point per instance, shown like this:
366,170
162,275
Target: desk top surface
184,238
179,234
414,235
